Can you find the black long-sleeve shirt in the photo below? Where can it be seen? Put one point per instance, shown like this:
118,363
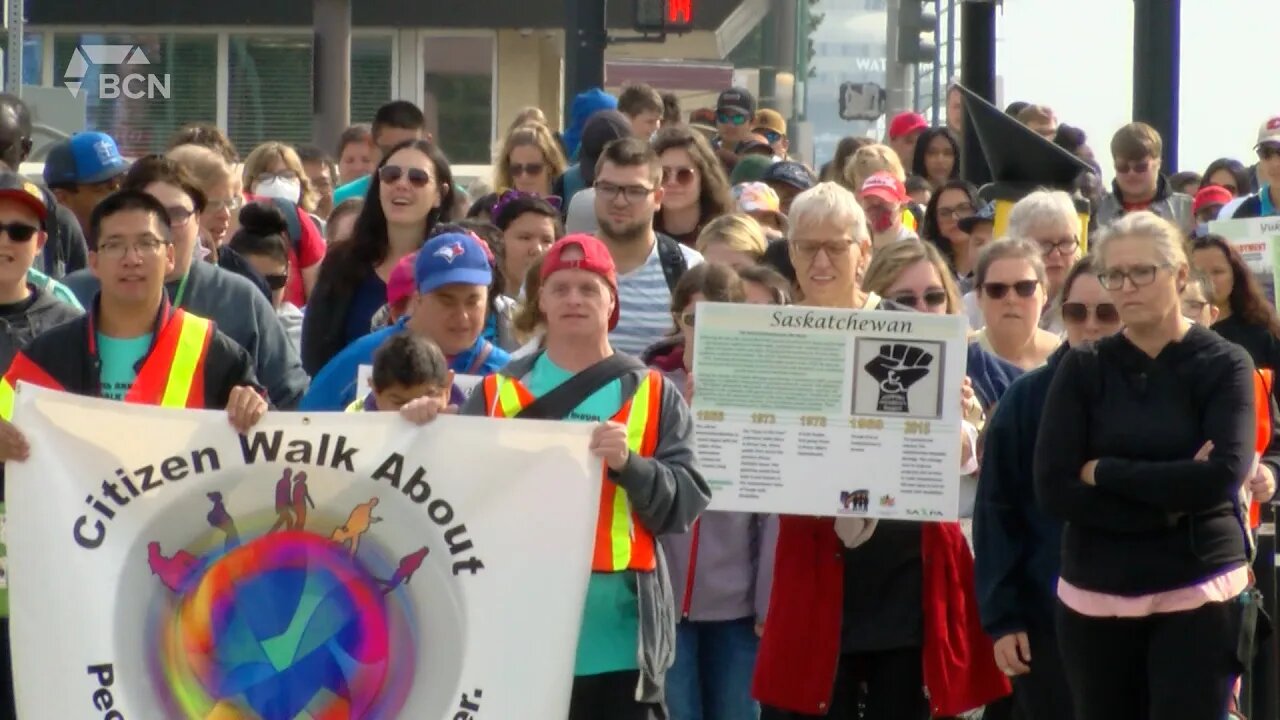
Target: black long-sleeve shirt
1157,519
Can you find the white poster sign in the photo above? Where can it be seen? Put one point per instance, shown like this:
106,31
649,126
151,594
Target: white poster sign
812,411
323,566
1258,241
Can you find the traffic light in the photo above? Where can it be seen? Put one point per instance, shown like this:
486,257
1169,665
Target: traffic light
917,25
658,16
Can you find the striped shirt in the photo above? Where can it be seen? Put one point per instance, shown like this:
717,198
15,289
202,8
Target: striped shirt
645,303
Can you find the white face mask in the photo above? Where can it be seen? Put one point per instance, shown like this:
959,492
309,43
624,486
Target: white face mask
280,188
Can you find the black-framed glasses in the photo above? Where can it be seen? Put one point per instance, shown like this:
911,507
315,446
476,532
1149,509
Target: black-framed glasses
276,281
725,118
1023,289
533,169
1078,312
931,299
629,193
19,232
1064,245
391,174
963,210
1139,275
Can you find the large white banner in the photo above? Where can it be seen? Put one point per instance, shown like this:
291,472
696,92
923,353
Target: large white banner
324,566
812,411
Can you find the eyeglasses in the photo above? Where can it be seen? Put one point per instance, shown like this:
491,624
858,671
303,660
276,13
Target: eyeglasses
809,249
19,232
232,204
1193,308
629,193
687,317
530,169
1065,246
282,175
1268,151
115,250
391,174
731,119
931,298
681,175
276,281
1078,313
963,210
1124,168
178,215
772,136
1023,288
1139,275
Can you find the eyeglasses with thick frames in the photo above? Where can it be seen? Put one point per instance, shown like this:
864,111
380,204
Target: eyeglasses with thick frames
1138,275
18,232
630,194
1064,245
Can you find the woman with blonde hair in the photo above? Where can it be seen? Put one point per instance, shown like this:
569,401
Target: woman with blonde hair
735,240
274,170
695,188
530,161
868,161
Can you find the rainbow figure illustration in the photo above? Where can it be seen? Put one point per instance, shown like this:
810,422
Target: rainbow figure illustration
358,523
409,565
220,519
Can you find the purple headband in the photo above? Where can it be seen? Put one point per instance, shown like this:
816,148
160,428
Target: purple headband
512,195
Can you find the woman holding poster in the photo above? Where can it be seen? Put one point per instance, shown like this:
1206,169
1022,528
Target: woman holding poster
1145,441
1245,316
853,604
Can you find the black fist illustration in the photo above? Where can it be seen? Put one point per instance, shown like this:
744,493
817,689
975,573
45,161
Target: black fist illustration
897,368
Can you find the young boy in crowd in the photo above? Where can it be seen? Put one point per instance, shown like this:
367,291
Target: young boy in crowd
407,367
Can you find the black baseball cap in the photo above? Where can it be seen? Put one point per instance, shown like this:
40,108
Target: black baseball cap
19,189
737,99
985,214
790,173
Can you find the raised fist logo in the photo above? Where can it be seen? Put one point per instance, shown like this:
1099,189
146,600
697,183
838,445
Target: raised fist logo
897,368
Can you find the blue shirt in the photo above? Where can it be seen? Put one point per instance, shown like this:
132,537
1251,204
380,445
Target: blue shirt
334,387
1264,198
357,188
119,358
369,297
611,616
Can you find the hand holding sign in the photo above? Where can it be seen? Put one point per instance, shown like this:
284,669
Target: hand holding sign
897,368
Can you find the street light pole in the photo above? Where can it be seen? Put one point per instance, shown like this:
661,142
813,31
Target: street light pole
331,72
1157,35
585,39
978,73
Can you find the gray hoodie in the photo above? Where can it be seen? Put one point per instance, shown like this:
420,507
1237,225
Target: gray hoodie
20,327
667,492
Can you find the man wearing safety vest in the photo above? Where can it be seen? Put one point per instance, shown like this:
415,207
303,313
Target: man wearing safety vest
651,483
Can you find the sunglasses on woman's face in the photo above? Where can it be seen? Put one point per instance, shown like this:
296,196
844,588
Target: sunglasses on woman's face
530,169
391,174
931,298
1078,313
1023,288
680,175
276,281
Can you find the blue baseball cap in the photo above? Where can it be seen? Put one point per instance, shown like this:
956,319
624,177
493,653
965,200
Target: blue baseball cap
83,159
452,259
790,173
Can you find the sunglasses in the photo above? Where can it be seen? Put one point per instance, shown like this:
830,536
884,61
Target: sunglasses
390,174
1266,152
1075,312
772,136
1124,168
530,169
931,298
997,290
277,281
681,176
731,119
19,232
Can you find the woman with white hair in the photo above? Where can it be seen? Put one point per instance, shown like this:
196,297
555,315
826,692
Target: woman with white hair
847,624
1049,219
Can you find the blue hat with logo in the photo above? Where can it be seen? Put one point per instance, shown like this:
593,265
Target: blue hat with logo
985,214
452,259
83,159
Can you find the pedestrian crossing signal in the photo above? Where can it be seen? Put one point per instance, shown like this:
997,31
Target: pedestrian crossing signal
664,16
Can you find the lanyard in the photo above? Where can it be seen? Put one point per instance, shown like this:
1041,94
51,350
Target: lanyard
182,290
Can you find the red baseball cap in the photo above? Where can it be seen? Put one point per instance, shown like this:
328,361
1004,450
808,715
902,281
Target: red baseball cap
1211,195
906,123
885,186
595,258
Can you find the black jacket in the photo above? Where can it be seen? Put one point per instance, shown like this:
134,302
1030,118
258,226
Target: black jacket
40,313
65,251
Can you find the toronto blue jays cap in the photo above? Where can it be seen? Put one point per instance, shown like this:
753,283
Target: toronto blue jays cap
83,159
452,259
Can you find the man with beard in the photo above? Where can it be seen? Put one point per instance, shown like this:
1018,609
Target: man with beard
628,185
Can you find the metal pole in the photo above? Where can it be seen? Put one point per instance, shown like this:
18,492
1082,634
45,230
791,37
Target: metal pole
951,40
978,73
785,14
1156,39
937,63
897,77
13,59
768,90
585,39
331,90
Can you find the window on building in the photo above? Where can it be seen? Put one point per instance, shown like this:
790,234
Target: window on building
371,66
269,90
165,81
32,56
459,94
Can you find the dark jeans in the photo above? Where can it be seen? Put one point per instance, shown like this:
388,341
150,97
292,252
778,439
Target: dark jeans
711,677
1043,694
1170,666
609,696
889,685
7,709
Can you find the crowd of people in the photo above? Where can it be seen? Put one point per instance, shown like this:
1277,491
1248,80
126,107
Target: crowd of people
1119,416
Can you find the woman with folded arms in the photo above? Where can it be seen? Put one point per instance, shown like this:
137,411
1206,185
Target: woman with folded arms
1145,441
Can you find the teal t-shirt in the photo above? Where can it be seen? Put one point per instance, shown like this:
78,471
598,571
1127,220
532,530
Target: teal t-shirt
357,188
610,636
119,358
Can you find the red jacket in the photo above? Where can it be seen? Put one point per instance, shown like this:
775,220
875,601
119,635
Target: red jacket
796,665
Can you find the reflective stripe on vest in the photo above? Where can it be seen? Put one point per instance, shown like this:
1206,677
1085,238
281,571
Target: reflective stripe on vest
173,374
1263,380
622,542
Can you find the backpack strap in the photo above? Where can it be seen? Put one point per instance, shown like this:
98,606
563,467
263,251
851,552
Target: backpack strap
292,221
673,260
481,356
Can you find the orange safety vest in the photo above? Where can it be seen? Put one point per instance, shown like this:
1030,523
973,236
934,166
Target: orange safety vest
622,541
1262,384
172,375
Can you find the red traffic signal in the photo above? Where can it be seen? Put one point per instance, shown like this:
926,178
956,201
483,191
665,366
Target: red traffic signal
679,14
657,16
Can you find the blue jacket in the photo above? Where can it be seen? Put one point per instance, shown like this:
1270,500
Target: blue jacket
1016,546
990,375
585,104
334,387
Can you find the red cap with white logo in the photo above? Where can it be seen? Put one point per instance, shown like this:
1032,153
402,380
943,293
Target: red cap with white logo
885,186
